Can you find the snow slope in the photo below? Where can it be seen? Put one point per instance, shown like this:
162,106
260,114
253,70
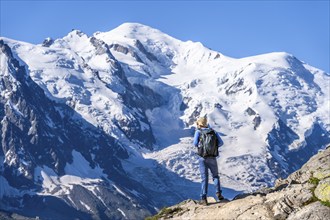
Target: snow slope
243,98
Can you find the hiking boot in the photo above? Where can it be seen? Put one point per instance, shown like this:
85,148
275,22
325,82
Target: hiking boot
203,202
220,197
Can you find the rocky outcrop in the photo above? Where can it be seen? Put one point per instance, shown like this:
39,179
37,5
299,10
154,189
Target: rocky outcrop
303,195
47,42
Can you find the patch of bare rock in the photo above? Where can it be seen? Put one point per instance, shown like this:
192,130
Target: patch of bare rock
305,194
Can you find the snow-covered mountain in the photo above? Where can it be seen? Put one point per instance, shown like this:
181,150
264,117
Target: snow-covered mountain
101,126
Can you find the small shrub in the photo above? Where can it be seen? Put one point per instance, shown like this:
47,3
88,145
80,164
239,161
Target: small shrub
326,203
165,212
314,180
168,211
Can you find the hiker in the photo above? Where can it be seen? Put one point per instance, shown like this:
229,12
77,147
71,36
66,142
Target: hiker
208,154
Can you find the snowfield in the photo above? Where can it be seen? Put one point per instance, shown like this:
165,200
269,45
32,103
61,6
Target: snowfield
146,89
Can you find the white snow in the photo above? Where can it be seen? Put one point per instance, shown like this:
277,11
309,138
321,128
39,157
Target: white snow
86,206
77,173
81,168
122,192
122,212
204,81
208,82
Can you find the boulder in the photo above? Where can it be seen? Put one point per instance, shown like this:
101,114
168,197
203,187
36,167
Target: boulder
322,191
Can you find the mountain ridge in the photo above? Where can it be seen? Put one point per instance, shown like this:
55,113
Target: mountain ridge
142,91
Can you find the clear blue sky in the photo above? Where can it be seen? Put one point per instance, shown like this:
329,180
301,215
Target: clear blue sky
234,28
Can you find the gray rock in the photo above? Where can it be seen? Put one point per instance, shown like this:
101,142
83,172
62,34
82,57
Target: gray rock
47,42
315,211
292,198
250,111
317,167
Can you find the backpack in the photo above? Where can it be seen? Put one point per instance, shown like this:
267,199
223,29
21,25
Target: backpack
208,143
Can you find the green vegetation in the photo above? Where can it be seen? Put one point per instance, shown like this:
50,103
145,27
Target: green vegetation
326,203
311,200
314,180
165,212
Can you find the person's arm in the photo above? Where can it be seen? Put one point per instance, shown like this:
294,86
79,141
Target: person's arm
220,141
196,138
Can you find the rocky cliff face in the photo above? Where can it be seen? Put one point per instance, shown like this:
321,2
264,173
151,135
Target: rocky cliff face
305,194
42,140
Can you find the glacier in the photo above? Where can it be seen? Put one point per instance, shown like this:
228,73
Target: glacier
90,122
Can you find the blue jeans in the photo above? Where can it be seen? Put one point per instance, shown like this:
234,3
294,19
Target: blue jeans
204,165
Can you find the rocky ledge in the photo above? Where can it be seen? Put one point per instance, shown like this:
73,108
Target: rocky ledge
305,194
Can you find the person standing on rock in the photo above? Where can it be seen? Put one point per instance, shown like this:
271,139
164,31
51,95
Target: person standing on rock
207,142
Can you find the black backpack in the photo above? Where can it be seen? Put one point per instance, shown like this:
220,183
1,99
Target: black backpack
208,143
